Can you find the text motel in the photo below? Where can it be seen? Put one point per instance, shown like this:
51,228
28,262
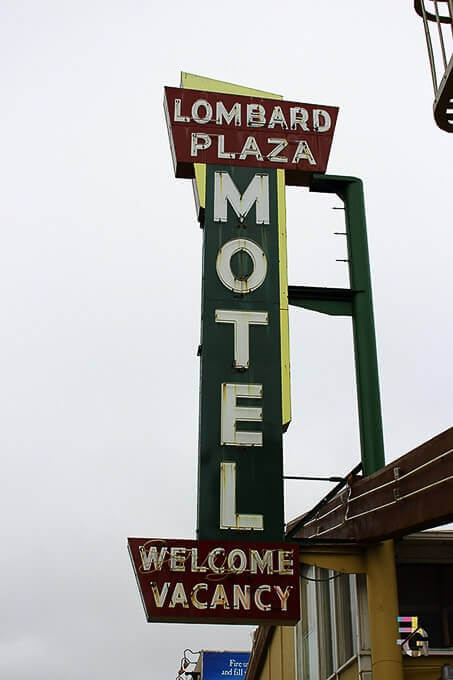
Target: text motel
233,394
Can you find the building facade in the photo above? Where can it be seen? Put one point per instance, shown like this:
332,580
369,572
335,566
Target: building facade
351,598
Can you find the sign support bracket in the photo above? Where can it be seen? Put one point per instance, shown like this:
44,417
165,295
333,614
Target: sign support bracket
333,301
356,302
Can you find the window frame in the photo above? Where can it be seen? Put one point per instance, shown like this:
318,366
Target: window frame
433,547
359,625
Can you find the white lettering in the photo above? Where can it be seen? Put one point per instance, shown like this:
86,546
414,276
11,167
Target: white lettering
256,115
201,103
177,113
278,118
229,518
262,564
283,596
242,321
280,144
241,597
303,151
256,192
231,414
193,596
246,284
298,116
251,148
177,559
259,603
159,597
317,124
195,568
198,142
234,113
285,562
219,599
179,597
232,558
211,561
221,153
150,559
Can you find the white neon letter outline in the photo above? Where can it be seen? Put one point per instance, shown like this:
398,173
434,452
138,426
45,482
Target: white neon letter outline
225,273
226,190
258,601
229,518
242,321
199,141
231,413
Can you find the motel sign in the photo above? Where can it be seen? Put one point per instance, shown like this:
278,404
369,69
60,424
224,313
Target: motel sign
243,144
209,127
240,148
202,581
240,438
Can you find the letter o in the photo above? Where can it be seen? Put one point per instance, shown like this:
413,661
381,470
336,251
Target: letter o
224,271
195,111
237,553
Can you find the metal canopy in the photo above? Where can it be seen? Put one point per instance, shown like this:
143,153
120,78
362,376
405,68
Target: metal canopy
412,493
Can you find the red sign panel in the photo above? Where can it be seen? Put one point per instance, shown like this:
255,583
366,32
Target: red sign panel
225,129
210,582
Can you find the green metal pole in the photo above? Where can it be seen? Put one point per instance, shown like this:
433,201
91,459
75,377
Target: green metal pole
350,190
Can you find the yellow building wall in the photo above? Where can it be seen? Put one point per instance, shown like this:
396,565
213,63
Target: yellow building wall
424,667
350,673
280,657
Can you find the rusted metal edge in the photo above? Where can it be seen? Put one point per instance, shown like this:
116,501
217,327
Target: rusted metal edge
412,493
261,641
300,521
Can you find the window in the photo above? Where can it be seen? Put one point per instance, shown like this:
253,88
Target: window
305,634
327,634
426,591
324,621
343,611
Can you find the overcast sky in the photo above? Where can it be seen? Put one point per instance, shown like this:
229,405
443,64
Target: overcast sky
100,268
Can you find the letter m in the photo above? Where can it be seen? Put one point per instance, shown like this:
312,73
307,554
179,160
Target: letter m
225,191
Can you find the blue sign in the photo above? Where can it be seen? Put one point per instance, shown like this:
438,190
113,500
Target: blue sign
222,665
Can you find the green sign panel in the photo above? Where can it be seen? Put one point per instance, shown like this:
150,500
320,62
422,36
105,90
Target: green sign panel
240,484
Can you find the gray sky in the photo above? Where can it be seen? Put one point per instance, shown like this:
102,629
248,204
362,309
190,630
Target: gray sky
100,278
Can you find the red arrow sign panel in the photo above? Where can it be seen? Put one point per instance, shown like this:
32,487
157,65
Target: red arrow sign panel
209,127
210,582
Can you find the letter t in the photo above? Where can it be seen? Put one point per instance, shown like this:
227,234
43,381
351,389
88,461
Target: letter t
241,321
